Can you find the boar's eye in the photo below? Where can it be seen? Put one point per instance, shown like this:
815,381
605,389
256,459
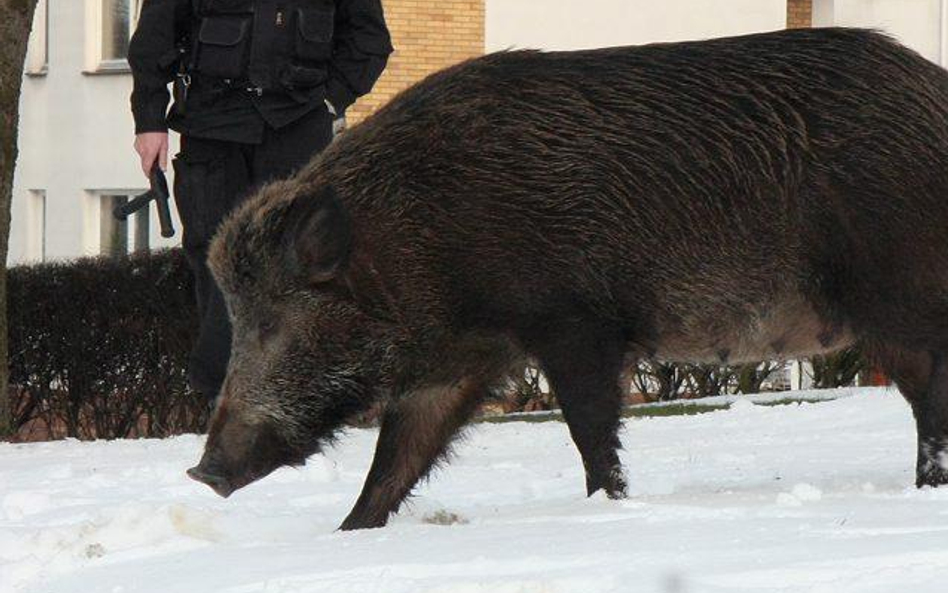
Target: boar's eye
266,329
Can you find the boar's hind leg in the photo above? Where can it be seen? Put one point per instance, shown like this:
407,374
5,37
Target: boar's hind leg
416,431
583,363
922,378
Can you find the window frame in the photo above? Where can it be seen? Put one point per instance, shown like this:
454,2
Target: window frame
37,49
97,212
96,62
37,222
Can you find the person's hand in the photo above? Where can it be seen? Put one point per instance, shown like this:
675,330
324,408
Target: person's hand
151,146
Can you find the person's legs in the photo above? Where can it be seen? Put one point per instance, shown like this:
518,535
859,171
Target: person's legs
211,177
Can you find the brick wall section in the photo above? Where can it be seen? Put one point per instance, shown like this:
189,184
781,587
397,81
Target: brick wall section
799,14
428,35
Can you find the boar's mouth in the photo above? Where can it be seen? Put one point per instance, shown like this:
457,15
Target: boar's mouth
220,483
227,471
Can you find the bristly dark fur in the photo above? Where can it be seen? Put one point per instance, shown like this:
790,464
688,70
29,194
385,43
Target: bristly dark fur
772,195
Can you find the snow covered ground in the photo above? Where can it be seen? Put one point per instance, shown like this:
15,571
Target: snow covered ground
815,497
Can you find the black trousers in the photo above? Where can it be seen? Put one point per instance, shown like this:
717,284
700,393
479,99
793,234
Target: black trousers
212,177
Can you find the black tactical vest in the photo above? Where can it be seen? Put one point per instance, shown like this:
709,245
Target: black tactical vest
265,45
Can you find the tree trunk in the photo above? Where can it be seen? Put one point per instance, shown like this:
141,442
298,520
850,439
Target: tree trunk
16,18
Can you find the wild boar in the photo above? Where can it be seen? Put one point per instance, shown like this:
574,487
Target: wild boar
765,196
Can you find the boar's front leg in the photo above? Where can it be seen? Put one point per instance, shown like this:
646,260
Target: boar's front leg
922,378
416,431
583,362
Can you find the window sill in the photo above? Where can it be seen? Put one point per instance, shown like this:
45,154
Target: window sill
110,67
40,73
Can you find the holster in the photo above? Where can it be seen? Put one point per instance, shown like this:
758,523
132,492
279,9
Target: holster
179,60
179,90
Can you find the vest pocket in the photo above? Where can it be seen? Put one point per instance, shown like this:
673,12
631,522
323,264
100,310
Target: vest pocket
223,47
314,33
301,77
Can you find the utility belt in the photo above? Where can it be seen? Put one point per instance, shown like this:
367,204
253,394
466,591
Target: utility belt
257,48
183,82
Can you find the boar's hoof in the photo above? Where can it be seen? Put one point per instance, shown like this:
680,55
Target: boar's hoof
933,476
613,484
354,521
932,468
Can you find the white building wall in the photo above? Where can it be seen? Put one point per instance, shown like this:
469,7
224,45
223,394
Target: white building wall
920,24
76,135
578,24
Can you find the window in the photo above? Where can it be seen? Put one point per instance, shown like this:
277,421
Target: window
118,238
114,23
117,27
37,53
36,226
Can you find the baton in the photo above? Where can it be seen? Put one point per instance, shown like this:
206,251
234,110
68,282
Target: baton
159,193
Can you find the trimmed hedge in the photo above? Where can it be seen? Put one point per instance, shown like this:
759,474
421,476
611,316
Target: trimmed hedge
99,348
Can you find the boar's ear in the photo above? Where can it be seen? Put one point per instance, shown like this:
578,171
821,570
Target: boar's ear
318,236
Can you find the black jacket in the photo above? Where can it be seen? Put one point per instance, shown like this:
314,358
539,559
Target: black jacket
252,63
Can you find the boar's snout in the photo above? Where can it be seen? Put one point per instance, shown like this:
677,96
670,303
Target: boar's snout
239,451
210,475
